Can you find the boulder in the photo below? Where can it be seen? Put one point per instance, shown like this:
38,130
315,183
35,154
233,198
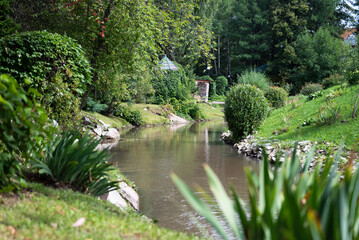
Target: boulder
130,195
115,198
111,133
98,130
86,121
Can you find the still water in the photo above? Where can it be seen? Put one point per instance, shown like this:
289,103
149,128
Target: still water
147,156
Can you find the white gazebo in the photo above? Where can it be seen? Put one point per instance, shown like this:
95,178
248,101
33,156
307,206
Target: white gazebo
166,64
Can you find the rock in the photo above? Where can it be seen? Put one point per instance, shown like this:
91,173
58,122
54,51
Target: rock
102,122
176,119
115,198
303,143
111,133
130,195
103,146
98,130
86,121
54,123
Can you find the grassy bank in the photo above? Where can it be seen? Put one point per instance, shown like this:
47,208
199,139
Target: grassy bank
153,115
325,118
47,213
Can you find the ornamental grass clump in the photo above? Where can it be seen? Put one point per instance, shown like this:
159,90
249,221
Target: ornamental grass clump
257,79
288,202
244,110
73,160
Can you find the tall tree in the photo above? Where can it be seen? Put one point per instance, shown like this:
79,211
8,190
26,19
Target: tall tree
249,34
288,20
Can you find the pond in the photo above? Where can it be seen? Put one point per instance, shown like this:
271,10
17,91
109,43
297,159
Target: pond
147,156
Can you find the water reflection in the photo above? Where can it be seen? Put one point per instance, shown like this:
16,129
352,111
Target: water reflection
147,156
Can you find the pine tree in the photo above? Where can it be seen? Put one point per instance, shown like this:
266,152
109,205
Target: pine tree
249,33
288,20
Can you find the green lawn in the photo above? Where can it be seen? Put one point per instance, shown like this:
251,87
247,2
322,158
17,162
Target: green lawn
46,213
288,121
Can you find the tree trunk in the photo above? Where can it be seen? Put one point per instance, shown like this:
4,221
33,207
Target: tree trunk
219,55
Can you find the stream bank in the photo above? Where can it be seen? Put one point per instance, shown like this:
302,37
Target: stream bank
277,150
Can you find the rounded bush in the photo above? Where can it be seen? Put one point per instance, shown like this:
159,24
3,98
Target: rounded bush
132,116
332,80
56,66
255,78
276,96
310,88
221,85
244,110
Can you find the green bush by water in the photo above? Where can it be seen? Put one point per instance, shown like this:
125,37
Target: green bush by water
245,109
132,116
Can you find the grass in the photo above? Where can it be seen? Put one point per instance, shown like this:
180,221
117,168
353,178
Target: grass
47,213
288,121
212,111
155,115
114,121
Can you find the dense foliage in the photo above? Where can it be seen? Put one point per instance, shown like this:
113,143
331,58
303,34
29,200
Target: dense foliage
333,80
310,88
187,109
317,57
74,160
276,96
23,132
288,202
172,84
254,78
132,116
244,110
221,85
55,65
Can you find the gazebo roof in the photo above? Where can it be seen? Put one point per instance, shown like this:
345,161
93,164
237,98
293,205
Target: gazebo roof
166,64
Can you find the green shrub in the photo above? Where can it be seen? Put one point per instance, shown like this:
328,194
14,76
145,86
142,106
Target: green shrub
287,202
132,116
221,85
72,159
333,80
94,106
22,132
244,110
353,77
315,95
255,78
310,88
55,65
276,96
187,109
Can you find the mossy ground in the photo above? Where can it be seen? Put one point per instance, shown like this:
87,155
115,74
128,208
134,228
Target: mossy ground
287,123
46,213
